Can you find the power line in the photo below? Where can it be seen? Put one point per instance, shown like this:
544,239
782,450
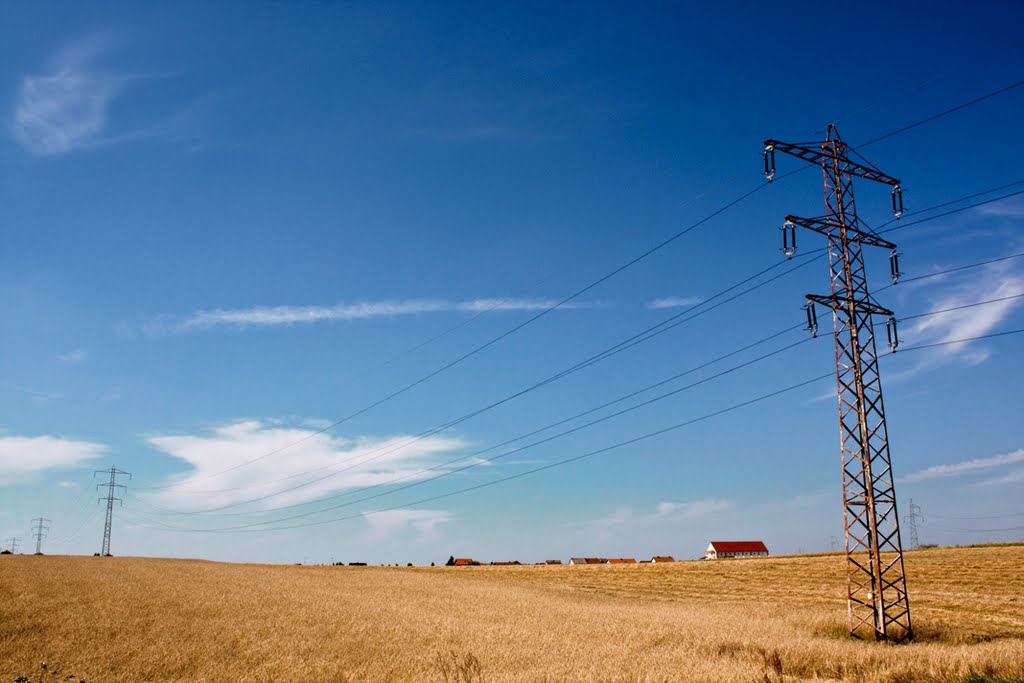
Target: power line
587,425
548,466
951,110
551,426
12,544
975,517
706,416
643,336
585,289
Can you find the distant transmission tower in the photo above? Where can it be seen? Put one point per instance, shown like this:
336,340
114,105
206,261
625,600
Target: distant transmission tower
913,518
111,485
12,544
876,585
40,525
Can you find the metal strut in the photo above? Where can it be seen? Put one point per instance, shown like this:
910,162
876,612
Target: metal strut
877,600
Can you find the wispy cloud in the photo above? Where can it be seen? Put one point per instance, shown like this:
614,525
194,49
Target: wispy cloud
65,107
1014,477
35,395
276,316
424,523
963,467
1009,208
994,282
20,455
674,302
227,467
73,357
670,513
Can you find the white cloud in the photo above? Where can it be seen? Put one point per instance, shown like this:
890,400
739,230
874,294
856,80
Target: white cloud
67,485
72,357
674,302
29,454
966,466
65,107
693,509
994,282
624,517
393,522
1014,477
236,444
1012,208
272,316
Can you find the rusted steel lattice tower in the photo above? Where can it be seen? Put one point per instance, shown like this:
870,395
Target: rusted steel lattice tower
876,585
110,498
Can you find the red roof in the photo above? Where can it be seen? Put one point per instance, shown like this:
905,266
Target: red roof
739,546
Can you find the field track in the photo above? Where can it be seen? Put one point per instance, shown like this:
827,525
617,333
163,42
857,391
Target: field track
135,619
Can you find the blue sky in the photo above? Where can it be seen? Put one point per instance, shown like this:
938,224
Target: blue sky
227,227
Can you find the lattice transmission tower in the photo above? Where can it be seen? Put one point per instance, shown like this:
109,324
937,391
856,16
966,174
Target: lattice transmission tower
913,518
112,487
40,525
876,584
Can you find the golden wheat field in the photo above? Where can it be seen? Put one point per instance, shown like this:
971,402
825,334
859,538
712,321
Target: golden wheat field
757,620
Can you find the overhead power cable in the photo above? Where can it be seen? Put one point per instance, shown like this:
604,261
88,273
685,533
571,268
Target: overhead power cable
587,288
448,463
573,430
251,528
641,337
645,335
519,475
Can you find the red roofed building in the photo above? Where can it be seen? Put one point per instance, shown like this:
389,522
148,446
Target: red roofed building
721,549
622,560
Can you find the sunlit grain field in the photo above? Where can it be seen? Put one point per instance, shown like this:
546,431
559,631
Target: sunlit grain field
133,619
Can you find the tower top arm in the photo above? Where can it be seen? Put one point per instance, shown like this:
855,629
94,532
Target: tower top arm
819,153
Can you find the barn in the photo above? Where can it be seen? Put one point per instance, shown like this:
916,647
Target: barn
723,549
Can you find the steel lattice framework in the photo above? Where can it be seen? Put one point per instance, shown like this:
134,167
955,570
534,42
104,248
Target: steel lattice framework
111,486
876,584
40,525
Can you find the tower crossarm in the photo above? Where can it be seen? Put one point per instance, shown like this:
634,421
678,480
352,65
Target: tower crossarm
836,302
853,232
820,154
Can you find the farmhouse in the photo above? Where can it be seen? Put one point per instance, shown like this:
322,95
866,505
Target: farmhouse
722,549
465,562
586,560
662,558
551,562
505,564
622,560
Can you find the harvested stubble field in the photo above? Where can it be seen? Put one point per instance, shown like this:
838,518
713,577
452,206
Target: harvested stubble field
133,619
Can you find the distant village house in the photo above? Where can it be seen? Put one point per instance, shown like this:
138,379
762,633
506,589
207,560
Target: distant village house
723,549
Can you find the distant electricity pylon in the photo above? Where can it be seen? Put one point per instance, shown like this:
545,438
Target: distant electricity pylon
876,584
111,485
912,519
12,544
40,525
